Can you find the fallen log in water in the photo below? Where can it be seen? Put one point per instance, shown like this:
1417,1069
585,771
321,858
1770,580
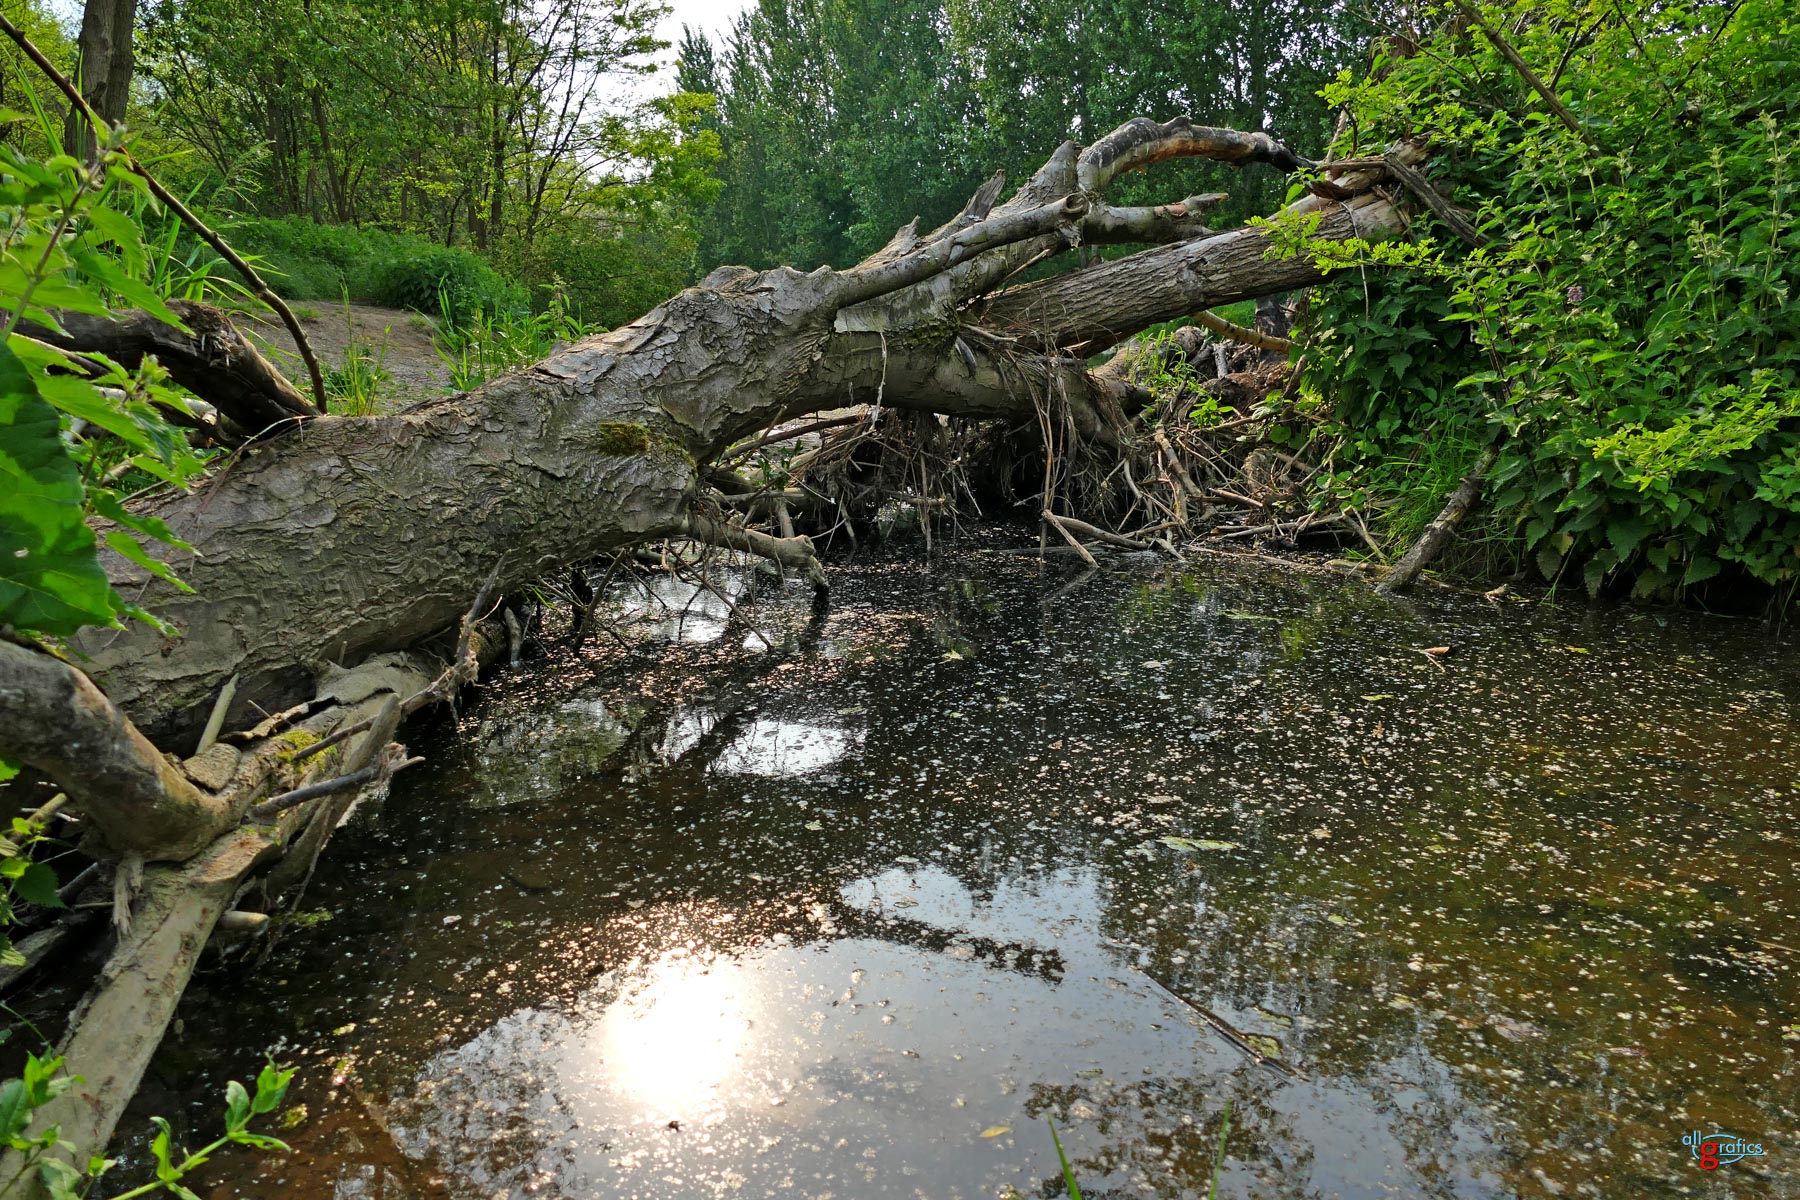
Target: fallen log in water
354,540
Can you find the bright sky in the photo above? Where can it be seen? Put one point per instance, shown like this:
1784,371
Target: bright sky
714,16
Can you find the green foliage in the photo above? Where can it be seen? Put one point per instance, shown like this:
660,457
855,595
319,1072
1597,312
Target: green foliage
73,426
310,261
453,284
1068,1172
354,386
488,345
1627,338
49,577
43,1152
643,244
22,878
841,121
1170,378
452,156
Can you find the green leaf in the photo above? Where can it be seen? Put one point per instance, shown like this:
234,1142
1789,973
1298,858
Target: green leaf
7,770
1625,533
1702,568
1068,1172
119,229
130,548
271,1087
108,506
105,271
61,1180
237,1107
37,883
50,579
15,1110
159,1150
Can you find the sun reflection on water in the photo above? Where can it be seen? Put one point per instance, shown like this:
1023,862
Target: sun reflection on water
674,1041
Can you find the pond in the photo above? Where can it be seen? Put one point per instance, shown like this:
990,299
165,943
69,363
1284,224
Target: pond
856,902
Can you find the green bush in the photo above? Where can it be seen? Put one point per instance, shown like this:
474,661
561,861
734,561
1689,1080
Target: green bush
309,261
1628,338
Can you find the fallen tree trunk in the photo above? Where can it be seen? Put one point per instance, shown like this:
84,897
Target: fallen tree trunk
209,357
343,538
115,1030
349,536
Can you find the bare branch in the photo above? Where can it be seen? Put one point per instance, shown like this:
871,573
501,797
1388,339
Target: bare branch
53,717
1156,225
1141,141
794,552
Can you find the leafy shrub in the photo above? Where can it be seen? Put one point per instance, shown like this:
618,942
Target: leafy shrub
1628,338
453,284
310,261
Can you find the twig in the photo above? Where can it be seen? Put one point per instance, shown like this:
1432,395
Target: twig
326,743
1097,534
276,805
1235,498
1433,199
1238,1041
1056,523
788,435
1524,69
1239,333
169,200
216,721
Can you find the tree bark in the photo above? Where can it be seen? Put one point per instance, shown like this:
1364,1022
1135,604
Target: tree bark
104,50
53,717
209,358
351,536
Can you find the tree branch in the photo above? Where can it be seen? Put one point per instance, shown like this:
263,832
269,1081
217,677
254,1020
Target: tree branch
53,717
1141,141
210,358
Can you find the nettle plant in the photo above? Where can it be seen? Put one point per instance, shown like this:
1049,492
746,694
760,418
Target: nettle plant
1625,337
77,431
78,434
43,1152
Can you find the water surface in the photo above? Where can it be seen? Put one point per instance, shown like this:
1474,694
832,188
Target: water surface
852,903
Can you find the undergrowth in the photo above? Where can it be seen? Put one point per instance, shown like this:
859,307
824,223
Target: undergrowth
1626,338
311,261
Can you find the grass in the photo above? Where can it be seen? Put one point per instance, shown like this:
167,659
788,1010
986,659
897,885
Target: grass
355,387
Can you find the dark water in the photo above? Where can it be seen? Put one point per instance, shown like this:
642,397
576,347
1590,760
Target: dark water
857,912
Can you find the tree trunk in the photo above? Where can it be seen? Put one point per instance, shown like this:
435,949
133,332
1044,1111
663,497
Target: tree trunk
351,536
105,64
